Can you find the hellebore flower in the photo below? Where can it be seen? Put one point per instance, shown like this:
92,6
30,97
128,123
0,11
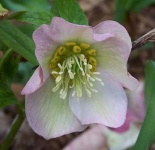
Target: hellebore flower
80,79
99,137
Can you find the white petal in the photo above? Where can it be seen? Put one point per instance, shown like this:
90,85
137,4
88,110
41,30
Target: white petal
117,141
48,115
92,139
107,107
112,57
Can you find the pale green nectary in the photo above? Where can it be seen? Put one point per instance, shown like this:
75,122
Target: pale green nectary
80,79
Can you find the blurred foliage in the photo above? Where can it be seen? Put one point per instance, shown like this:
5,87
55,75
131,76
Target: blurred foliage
7,97
2,9
147,133
19,5
25,70
124,7
3,47
27,29
149,85
138,5
8,66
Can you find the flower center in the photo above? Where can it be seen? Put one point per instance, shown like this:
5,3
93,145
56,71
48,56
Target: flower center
73,66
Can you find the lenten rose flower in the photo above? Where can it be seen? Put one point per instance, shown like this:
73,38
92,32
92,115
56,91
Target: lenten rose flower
80,79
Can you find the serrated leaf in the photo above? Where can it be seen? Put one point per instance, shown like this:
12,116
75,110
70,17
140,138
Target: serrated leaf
69,10
6,96
147,133
13,38
36,18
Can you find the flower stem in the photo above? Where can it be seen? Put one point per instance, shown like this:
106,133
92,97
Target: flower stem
13,131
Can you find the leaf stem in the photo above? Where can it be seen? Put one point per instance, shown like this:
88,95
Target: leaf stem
13,131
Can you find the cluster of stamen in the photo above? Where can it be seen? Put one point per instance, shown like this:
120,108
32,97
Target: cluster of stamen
74,67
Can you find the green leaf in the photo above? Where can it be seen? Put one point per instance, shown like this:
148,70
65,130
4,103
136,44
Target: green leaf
27,29
136,5
142,4
8,66
2,9
149,85
3,47
36,18
121,10
13,38
123,7
19,5
6,96
147,133
69,10
3,12
131,4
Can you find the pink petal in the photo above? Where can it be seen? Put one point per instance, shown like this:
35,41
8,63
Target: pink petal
137,102
45,47
93,139
63,31
112,57
129,119
34,83
115,28
136,108
107,107
102,37
122,141
48,115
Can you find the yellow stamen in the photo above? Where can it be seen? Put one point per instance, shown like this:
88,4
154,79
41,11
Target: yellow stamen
76,49
92,52
84,45
52,65
73,66
56,59
73,48
92,61
70,43
61,50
